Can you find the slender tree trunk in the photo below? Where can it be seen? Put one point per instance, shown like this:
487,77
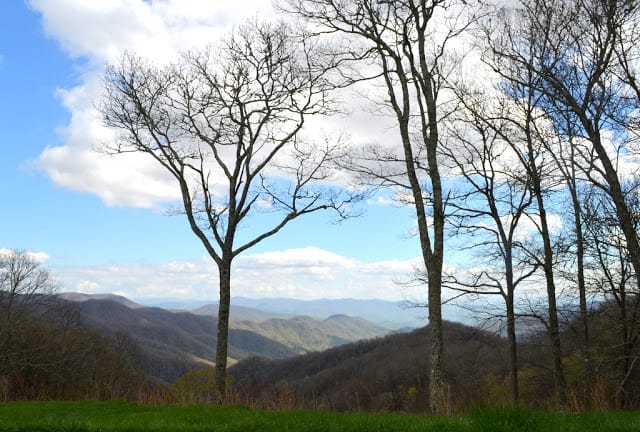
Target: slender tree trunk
513,348
554,327
224,306
433,262
621,393
432,253
511,315
545,233
582,293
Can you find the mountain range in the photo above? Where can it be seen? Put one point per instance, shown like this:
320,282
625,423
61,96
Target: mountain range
392,314
171,342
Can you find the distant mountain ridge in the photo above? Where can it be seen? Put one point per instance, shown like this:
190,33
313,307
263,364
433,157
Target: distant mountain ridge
392,314
80,297
173,342
240,313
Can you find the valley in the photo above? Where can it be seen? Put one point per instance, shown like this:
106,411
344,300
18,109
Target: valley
172,342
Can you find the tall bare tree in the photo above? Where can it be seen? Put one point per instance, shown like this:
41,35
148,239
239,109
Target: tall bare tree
226,124
569,154
405,46
581,58
609,272
489,206
580,55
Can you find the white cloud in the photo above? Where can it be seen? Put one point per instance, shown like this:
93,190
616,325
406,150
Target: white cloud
38,257
97,33
528,226
158,29
305,273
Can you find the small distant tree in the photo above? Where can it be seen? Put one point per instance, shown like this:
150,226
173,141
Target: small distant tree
226,124
23,284
44,350
25,289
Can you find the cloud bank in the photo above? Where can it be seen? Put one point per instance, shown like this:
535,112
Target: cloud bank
305,273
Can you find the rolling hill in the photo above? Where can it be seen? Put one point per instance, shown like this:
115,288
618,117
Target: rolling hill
240,313
383,374
173,342
304,334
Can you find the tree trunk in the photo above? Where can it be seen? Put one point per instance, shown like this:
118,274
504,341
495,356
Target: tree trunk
437,392
554,327
439,397
224,269
582,292
513,348
433,258
547,266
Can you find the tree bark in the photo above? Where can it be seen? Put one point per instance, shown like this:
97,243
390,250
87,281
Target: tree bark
513,348
438,398
554,328
223,327
582,294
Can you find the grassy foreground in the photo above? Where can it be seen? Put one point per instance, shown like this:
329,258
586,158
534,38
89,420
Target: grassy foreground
122,416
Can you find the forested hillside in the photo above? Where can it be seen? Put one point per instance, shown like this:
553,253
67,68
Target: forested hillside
174,342
390,373
384,374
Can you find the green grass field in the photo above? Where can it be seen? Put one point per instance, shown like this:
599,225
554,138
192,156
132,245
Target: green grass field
122,416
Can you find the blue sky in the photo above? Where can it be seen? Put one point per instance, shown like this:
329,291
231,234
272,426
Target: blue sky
102,223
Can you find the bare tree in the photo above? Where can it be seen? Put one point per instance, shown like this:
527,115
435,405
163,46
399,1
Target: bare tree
489,206
609,272
405,45
24,284
582,62
569,154
579,54
226,124
521,39
25,290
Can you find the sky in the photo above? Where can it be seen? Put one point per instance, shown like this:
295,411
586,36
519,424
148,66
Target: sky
99,223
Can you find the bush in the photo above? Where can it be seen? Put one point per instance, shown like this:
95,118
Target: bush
196,387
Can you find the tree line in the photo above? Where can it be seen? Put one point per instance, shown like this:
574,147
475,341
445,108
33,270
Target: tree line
517,131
